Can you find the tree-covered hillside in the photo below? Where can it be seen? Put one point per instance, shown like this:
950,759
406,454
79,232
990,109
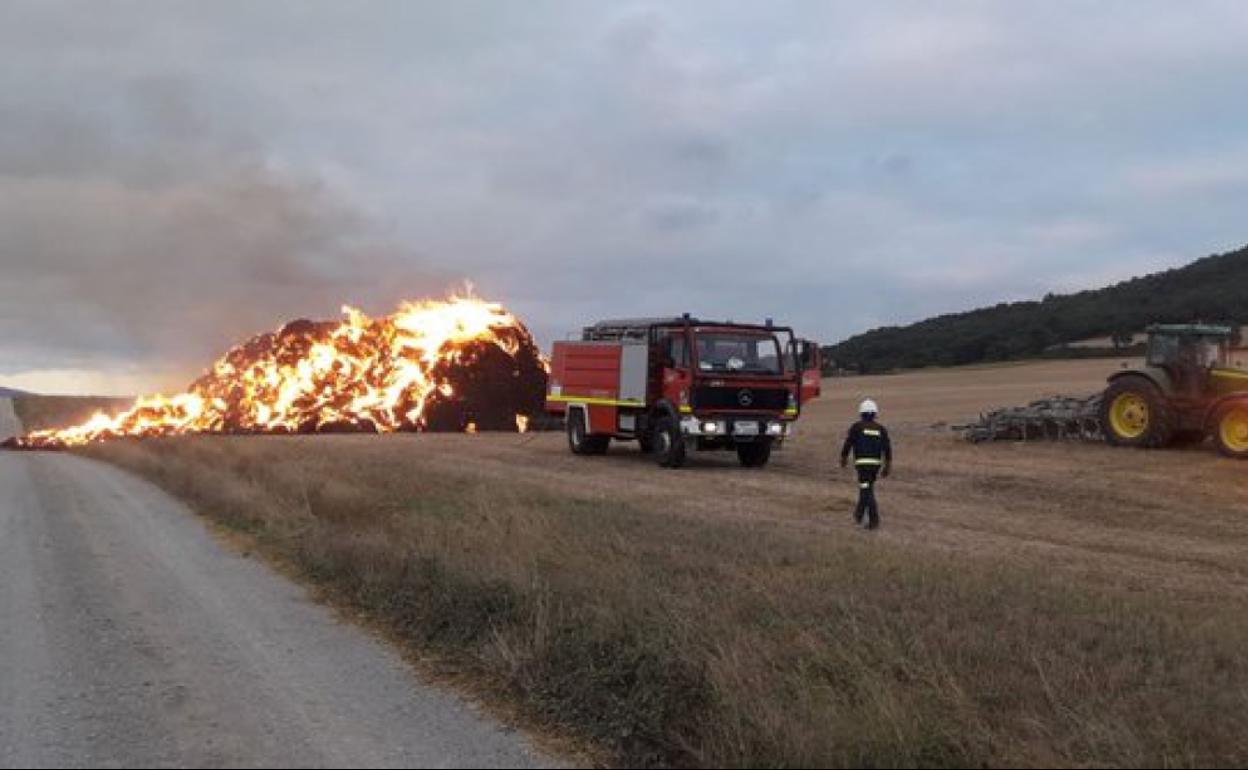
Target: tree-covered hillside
1213,289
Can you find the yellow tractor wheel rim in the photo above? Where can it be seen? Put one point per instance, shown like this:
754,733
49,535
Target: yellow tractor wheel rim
1233,428
1128,415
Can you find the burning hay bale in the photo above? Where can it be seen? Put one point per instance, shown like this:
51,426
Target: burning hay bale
454,365
1049,419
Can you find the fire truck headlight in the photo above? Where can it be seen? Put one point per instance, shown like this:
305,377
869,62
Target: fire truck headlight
711,427
775,428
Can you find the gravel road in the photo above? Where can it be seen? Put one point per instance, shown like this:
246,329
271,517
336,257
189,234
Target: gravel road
129,637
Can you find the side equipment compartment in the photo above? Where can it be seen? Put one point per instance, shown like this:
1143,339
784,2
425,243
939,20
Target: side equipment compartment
600,389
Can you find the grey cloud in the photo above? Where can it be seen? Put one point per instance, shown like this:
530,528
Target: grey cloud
896,165
231,164
95,267
153,234
674,214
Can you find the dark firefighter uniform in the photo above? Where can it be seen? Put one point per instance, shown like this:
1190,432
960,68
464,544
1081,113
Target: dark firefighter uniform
873,453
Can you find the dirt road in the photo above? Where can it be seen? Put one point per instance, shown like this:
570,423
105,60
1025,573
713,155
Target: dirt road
130,638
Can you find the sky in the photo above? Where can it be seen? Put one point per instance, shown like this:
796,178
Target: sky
175,177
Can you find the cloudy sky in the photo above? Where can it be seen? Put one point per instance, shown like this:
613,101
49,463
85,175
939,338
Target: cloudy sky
174,177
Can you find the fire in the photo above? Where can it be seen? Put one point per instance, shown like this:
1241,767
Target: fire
458,364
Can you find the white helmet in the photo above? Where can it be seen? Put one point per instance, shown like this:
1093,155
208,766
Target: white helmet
868,407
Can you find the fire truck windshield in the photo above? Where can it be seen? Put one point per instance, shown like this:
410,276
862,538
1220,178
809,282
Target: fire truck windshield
738,352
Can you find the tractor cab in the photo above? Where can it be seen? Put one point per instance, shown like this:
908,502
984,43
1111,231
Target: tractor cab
1192,354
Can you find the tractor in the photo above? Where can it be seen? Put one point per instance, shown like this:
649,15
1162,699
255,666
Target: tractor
1187,390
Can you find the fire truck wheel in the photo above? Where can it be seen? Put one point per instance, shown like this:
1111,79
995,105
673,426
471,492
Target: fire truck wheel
754,454
580,441
669,445
598,444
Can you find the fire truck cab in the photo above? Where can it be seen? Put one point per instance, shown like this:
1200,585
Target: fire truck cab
679,384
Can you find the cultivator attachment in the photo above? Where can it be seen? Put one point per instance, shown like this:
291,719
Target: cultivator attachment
1060,418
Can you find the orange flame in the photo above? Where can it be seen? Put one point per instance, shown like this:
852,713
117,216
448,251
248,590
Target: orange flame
360,373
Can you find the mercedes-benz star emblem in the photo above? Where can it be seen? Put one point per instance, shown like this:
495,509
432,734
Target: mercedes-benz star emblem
745,397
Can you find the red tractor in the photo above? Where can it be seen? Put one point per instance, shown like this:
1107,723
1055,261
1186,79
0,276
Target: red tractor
675,384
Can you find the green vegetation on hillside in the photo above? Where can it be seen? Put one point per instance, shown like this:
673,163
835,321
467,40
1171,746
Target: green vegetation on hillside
1213,289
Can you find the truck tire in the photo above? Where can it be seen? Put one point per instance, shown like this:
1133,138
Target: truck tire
580,440
1230,430
755,454
1136,413
669,445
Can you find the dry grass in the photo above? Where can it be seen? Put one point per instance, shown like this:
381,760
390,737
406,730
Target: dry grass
42,412
1044,605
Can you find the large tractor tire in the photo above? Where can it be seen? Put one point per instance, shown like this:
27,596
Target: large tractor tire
755,454
1189,438
1136,413
669,445
580,440
1230,430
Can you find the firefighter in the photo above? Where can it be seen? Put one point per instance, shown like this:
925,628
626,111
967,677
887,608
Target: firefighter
873,455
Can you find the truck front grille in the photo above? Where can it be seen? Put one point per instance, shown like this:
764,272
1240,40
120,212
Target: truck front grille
743,398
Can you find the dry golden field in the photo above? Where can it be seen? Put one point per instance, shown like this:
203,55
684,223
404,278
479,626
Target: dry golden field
1024,604
1176,519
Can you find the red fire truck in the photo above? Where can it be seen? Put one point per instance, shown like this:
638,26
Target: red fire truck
676,384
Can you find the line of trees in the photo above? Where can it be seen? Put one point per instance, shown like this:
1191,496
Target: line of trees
1213,290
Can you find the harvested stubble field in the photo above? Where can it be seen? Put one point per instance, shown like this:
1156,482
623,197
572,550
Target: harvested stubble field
1030,605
